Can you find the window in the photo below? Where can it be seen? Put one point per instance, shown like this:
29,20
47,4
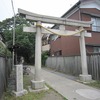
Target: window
54,37
96,24
96,49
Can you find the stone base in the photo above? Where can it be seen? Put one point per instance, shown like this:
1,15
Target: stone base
37,84
38,90
20,93
85,78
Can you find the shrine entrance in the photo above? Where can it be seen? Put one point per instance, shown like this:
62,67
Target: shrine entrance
37,82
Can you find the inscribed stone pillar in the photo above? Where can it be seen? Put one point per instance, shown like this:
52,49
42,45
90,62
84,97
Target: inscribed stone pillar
19,81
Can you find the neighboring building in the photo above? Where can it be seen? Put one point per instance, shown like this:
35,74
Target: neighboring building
84,10
46,42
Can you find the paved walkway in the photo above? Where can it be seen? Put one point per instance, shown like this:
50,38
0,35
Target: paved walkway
69,88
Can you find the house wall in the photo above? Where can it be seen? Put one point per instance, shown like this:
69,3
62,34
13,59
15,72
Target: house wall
55,46
95,39
70,45
90,10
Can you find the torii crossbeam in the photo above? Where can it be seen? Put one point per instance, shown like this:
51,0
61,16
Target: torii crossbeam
38,83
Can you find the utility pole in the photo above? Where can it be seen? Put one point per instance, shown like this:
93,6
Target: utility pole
13,34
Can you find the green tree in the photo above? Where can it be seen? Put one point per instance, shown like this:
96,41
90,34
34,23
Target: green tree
24,42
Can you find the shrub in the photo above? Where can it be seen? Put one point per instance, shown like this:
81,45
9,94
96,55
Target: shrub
45,55
4,51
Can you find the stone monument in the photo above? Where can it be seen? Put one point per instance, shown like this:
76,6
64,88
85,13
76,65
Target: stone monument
19,80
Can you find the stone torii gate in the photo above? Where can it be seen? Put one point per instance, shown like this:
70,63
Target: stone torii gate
38,83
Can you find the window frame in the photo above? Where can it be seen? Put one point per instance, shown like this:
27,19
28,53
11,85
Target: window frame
95,25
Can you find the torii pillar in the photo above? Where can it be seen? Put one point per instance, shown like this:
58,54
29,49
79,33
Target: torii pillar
38,83
84,77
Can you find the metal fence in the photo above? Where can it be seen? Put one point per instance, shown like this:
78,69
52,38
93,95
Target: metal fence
5,69
72,65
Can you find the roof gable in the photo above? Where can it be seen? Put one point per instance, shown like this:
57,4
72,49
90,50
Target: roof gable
91,4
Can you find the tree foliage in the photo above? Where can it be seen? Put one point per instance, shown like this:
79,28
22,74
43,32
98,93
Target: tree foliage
25,42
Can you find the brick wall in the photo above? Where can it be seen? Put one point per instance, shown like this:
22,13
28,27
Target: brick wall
70,45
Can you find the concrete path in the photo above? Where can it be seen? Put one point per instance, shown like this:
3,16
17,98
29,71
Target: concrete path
69,88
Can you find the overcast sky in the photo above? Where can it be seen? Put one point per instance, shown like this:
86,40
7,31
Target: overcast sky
46,7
